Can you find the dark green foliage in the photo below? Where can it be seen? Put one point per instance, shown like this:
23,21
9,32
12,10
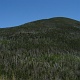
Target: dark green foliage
41,50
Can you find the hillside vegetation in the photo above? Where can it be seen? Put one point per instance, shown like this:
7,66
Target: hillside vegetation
47,49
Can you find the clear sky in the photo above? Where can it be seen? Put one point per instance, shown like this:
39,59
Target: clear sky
17,12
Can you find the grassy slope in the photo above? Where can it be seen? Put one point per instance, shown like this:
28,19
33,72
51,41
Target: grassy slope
45,49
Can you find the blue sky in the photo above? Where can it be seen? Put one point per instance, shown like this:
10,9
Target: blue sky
17,12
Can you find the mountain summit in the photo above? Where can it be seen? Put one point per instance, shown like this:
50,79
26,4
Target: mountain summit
47,49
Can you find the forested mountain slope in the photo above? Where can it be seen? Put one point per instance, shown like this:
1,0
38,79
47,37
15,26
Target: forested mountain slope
47,49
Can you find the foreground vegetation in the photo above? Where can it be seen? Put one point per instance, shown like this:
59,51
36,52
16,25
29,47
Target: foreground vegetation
42,67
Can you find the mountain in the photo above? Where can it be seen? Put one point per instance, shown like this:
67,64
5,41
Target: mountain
47,49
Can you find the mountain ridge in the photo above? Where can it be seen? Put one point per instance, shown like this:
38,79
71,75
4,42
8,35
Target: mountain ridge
54,18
